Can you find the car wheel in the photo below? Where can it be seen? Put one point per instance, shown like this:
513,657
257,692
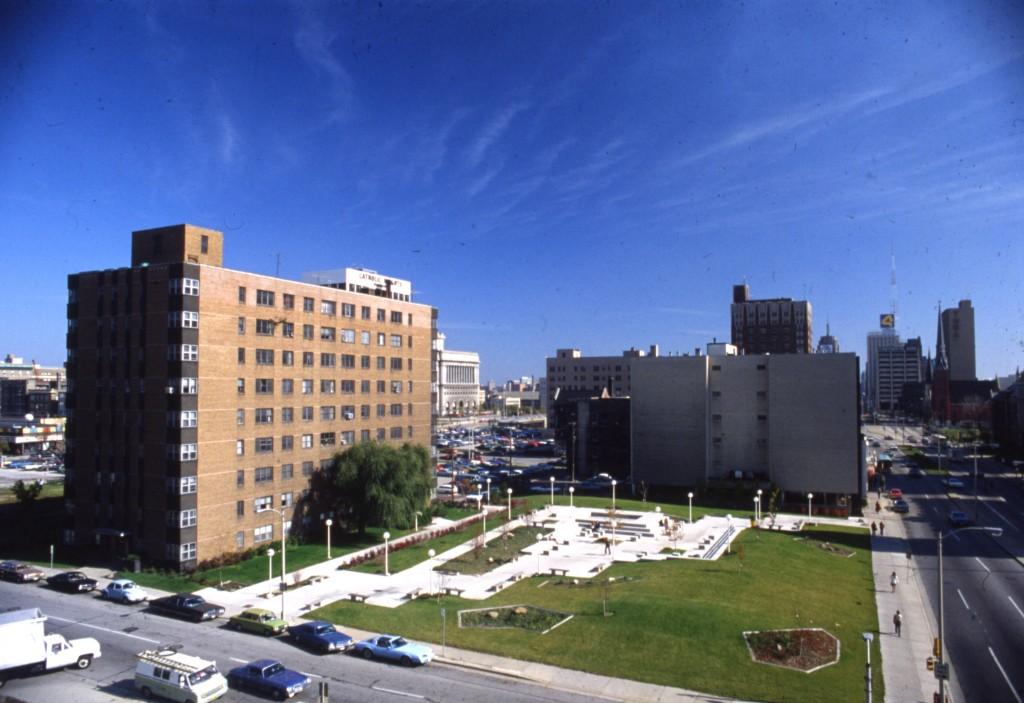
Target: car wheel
367,654
83,662
280,695
146,692
326,649
235,626
406,661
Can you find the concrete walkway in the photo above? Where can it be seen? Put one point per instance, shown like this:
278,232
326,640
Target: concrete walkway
907,679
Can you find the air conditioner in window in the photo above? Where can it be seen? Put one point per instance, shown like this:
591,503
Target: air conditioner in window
349,416
344,442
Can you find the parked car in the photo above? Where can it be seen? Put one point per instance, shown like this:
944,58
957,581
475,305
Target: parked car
18,572
72,582
900,506
954,483
269,677
124,591
895,494
187,605
958,518
320,636
394,648
257,621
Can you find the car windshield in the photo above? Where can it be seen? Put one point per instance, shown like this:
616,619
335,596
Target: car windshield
75,576
203,675
398,642
273,669
193,602
127,584
324,629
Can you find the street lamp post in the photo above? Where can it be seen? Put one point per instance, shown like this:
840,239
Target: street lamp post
551,480
509,492
975,480
430,569
614,483
483,528
328,522
386,536
270,564
757,515
810,497
759,506
868,639
689,497
572,490
284,551
941,667
488,492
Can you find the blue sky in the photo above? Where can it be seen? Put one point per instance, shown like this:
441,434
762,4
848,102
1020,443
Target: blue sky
548,174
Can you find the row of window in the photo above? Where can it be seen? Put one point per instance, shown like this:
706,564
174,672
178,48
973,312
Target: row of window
184,286
327,385
265,474
265,357
328,413
267,298
267,328
265,445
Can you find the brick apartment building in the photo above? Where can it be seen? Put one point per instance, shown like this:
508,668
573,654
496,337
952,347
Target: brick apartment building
199,396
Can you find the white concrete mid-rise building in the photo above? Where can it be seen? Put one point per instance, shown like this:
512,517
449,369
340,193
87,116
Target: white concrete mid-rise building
458,380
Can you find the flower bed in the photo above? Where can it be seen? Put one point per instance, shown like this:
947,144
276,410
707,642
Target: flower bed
805,650
524,617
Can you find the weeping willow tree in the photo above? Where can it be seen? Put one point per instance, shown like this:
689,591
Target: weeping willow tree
375,484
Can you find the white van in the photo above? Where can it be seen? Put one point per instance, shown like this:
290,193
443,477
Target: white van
170,674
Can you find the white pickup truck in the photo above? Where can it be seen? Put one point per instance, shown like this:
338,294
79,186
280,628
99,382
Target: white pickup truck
26,648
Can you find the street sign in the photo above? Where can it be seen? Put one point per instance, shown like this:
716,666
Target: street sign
942,671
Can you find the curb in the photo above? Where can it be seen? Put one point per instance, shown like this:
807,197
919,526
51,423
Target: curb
463,664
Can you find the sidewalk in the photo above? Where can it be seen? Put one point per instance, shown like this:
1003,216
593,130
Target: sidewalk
903,658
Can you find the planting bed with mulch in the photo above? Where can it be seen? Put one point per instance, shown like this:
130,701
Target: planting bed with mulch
801,649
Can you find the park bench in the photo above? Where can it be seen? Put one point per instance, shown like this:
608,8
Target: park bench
357,597
558,572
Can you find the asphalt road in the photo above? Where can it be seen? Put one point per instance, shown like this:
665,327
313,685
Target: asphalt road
984,583
125,630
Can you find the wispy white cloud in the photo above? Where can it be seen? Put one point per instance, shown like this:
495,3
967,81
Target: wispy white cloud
228,138
313,41
492,132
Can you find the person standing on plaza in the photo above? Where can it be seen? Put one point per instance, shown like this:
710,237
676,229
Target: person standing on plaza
897,622
881,528
874,528
894,581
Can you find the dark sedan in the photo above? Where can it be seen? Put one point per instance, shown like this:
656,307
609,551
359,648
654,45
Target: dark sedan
188,606
268,677
320,636
72,582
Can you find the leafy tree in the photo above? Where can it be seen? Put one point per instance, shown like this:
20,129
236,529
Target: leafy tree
26,492
376,484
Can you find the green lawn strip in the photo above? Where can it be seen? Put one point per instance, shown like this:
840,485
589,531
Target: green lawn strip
52,489
678,512
923,462
498,550
680,623
406,557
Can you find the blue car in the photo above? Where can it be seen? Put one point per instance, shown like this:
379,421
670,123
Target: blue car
268,677
394,648
320,636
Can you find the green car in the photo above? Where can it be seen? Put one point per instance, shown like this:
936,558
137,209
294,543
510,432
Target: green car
258,621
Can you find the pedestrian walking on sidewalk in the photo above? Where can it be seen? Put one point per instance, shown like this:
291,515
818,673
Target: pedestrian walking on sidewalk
881,528
897,622
894,581
878,507
874,528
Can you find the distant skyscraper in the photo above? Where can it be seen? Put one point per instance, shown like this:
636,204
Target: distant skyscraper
771,325
958,334
898,365
828,344
884,338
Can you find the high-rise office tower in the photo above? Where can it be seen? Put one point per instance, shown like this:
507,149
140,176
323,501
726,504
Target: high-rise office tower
770,326
958,330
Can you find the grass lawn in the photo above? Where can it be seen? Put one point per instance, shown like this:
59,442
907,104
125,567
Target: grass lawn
53,489
923,462
500,549
680,622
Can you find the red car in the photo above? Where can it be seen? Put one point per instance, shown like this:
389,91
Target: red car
895,494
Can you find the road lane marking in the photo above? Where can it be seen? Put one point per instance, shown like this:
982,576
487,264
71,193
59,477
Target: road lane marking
962,599
315,676
103,629
240,661
1005,677
999,515
416,695
1014,604
978,559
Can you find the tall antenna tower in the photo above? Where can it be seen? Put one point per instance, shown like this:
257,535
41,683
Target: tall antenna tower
892,283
